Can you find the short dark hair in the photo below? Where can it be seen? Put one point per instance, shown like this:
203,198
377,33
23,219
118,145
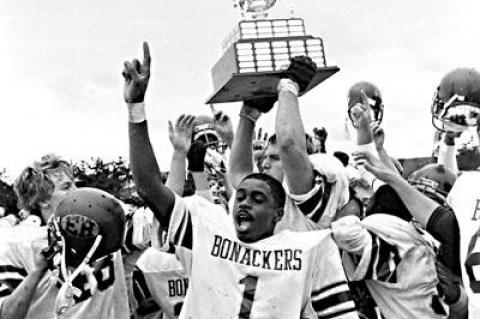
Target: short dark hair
343,157
276,187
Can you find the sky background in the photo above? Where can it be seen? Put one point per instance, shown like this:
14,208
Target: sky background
61,85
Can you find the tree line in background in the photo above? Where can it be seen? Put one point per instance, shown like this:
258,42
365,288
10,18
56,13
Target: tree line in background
116,178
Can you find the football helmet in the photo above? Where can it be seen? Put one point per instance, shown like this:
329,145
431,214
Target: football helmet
85,218
433,180
374,99
456,102
204,131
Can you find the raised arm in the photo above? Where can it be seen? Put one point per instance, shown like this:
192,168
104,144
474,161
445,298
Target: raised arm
447,152
420,206
241,163
289,126
181,138
145,170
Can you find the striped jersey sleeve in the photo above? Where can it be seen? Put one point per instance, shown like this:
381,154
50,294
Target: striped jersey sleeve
313,203
143,304
19,248
378,261
330,296
10,278
384,259
180,230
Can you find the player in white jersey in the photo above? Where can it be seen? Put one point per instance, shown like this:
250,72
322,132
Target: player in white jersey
84,276
456,107
241,270
405,201
264,269
160,284
317,188
464,198
397,260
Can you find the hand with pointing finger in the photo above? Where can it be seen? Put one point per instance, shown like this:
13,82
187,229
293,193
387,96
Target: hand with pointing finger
360,113
136,77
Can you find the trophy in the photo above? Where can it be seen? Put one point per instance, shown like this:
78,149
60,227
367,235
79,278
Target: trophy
258,50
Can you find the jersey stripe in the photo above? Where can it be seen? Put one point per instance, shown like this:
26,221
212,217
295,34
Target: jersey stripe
12,269
184,233
384,260
145,302
318,211
333,300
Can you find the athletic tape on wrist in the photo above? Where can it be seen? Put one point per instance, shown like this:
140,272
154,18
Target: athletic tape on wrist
136,112
287,85
250,113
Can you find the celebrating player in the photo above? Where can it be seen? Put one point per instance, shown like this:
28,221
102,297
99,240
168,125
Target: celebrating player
80,275
237,268
456,107
317,185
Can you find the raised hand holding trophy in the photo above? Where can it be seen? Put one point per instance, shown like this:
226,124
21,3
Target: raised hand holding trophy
257,52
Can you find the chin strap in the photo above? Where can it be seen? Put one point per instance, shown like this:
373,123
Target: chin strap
65,300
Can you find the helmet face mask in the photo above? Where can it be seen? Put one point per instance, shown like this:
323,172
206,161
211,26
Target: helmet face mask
456,102
455,115
430,188
434,181
207,134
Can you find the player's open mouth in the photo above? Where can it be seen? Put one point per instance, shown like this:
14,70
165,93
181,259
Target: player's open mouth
243,220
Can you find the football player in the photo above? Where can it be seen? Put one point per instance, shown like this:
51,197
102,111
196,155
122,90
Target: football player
456,106
39,187
70,269
237,268
160,284
397,262
406,201
317,185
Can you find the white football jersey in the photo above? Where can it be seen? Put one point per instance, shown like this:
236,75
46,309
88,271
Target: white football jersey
398,266
19,248
287,275
464,198
159,285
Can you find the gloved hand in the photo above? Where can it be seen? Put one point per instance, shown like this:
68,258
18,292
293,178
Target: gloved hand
301,70
263,104
196,157
448,285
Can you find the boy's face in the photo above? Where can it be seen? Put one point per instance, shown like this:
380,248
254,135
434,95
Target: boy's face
255,212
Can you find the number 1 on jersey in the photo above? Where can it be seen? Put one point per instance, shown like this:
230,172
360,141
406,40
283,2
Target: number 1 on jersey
250,283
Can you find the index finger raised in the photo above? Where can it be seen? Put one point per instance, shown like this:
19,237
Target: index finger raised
364,98
146,55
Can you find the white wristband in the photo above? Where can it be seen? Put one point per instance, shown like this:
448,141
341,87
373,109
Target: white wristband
287,85
136,112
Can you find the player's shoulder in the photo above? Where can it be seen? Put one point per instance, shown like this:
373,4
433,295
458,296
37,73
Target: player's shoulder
328,166
397,231
153,260
306,239
23,234
196,204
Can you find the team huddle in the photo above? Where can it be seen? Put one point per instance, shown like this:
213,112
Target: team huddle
274,226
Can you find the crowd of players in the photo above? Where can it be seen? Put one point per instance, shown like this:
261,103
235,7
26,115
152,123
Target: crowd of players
274,228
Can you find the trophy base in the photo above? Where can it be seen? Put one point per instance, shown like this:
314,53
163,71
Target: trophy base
242,86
